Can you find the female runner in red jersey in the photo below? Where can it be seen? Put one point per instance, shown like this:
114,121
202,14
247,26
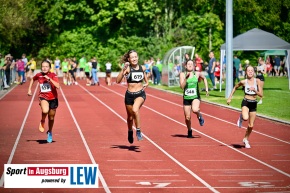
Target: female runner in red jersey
48,99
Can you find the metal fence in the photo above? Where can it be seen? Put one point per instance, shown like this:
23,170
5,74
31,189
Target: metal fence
3,78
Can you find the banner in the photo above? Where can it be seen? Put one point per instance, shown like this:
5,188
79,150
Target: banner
51,176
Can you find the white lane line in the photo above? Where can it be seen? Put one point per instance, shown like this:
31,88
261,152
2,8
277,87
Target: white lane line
256,180
288,142
247,189
104,184
146,175
255,159
232,169
241,175
149,170
157,146
154,181
19,134
145,160
52,160
228,160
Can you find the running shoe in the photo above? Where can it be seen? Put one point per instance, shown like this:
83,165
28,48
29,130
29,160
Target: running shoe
139,134
201,120
246,142
260,102
41,126
189,134
49,137
239,122
130,136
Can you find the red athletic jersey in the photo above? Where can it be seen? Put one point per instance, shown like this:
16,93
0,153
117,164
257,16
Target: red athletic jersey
217,71
47,89
198,64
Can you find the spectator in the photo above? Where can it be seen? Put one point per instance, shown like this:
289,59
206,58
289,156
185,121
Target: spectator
94,72
88,71
277,63
82,64
217,71
283,67
261,70
159,66
6,67
108,73
32,68
198,63
21,70
24,59
237,64
186,58
268,68
57,66
156,75
211,67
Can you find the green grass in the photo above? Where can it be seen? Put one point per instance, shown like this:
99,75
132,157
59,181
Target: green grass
276,100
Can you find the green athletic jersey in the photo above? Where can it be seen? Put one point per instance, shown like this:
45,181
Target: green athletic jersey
64,66
1,62
82,62
87,67
191,90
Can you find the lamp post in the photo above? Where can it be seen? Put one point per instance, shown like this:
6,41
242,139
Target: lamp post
229,47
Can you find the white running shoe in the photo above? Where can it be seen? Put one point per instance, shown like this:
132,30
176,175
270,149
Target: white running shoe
260,102
246,142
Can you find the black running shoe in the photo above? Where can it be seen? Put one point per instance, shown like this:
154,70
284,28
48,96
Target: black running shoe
189,134
139,134
130,136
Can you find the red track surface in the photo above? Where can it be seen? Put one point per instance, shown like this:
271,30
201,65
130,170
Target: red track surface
90,127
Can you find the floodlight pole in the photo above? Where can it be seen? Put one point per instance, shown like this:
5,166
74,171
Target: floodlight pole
229,47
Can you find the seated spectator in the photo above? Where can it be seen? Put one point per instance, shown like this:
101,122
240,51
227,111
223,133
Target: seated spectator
268,68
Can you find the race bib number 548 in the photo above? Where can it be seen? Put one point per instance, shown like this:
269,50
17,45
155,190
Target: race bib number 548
45,87
190,92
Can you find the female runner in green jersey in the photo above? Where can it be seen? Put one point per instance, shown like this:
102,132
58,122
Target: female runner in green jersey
191,98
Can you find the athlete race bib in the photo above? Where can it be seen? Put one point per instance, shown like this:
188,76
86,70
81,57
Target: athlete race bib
190,92
45,87
137,76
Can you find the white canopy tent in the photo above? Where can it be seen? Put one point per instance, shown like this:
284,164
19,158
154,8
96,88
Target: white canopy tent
256,39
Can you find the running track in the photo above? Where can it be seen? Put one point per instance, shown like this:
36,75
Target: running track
90,127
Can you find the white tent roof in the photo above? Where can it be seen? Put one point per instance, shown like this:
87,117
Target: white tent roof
256,39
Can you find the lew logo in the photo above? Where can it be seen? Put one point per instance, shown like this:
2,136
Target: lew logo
83,175
51,176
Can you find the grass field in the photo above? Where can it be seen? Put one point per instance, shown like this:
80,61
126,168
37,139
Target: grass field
276,100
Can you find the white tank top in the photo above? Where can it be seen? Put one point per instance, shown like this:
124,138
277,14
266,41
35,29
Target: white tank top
247,87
